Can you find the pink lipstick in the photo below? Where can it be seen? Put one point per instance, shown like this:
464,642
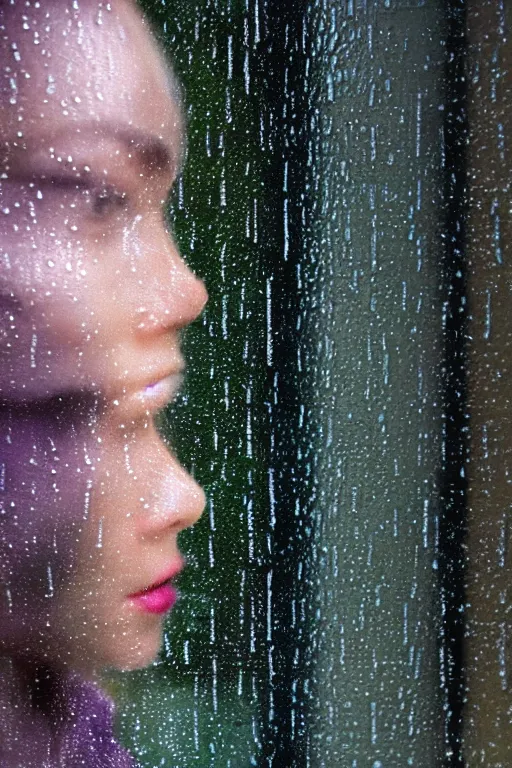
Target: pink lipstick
157,599
161,596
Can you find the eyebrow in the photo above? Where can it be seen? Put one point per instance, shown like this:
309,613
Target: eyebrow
152,152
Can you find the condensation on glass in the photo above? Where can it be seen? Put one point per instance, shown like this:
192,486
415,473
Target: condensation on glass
347,200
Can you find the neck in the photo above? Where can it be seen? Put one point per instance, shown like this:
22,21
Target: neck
33,711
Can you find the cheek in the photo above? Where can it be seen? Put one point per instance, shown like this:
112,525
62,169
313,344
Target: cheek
137,482
47,485
44,317
114,501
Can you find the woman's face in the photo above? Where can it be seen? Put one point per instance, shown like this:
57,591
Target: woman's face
93,295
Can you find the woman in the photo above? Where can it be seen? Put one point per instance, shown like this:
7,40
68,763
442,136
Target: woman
93,296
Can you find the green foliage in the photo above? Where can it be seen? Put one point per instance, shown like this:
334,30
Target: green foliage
214,213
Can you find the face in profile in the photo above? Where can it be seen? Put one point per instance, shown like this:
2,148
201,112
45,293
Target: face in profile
93,297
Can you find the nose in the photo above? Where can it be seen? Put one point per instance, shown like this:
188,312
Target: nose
173,296
171,499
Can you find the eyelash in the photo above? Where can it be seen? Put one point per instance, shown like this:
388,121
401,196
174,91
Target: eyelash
105,199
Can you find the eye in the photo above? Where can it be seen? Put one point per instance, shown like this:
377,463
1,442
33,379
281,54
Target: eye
106,200
82,197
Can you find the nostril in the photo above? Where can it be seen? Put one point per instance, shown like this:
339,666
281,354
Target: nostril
174,502
173,306
146,319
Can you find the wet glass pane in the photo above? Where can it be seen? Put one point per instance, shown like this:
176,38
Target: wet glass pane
340,181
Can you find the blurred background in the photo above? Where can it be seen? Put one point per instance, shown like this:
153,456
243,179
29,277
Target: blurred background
346,199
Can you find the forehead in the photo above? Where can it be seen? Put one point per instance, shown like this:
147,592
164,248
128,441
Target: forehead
65,63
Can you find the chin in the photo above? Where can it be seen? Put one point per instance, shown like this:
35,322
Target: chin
140,653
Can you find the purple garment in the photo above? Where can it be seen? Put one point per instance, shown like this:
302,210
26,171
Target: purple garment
74,728
89,739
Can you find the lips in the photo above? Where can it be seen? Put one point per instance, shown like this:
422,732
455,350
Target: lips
147,396
163,391
157,600
161,596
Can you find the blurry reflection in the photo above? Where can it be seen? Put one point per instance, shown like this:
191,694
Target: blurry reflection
93,296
